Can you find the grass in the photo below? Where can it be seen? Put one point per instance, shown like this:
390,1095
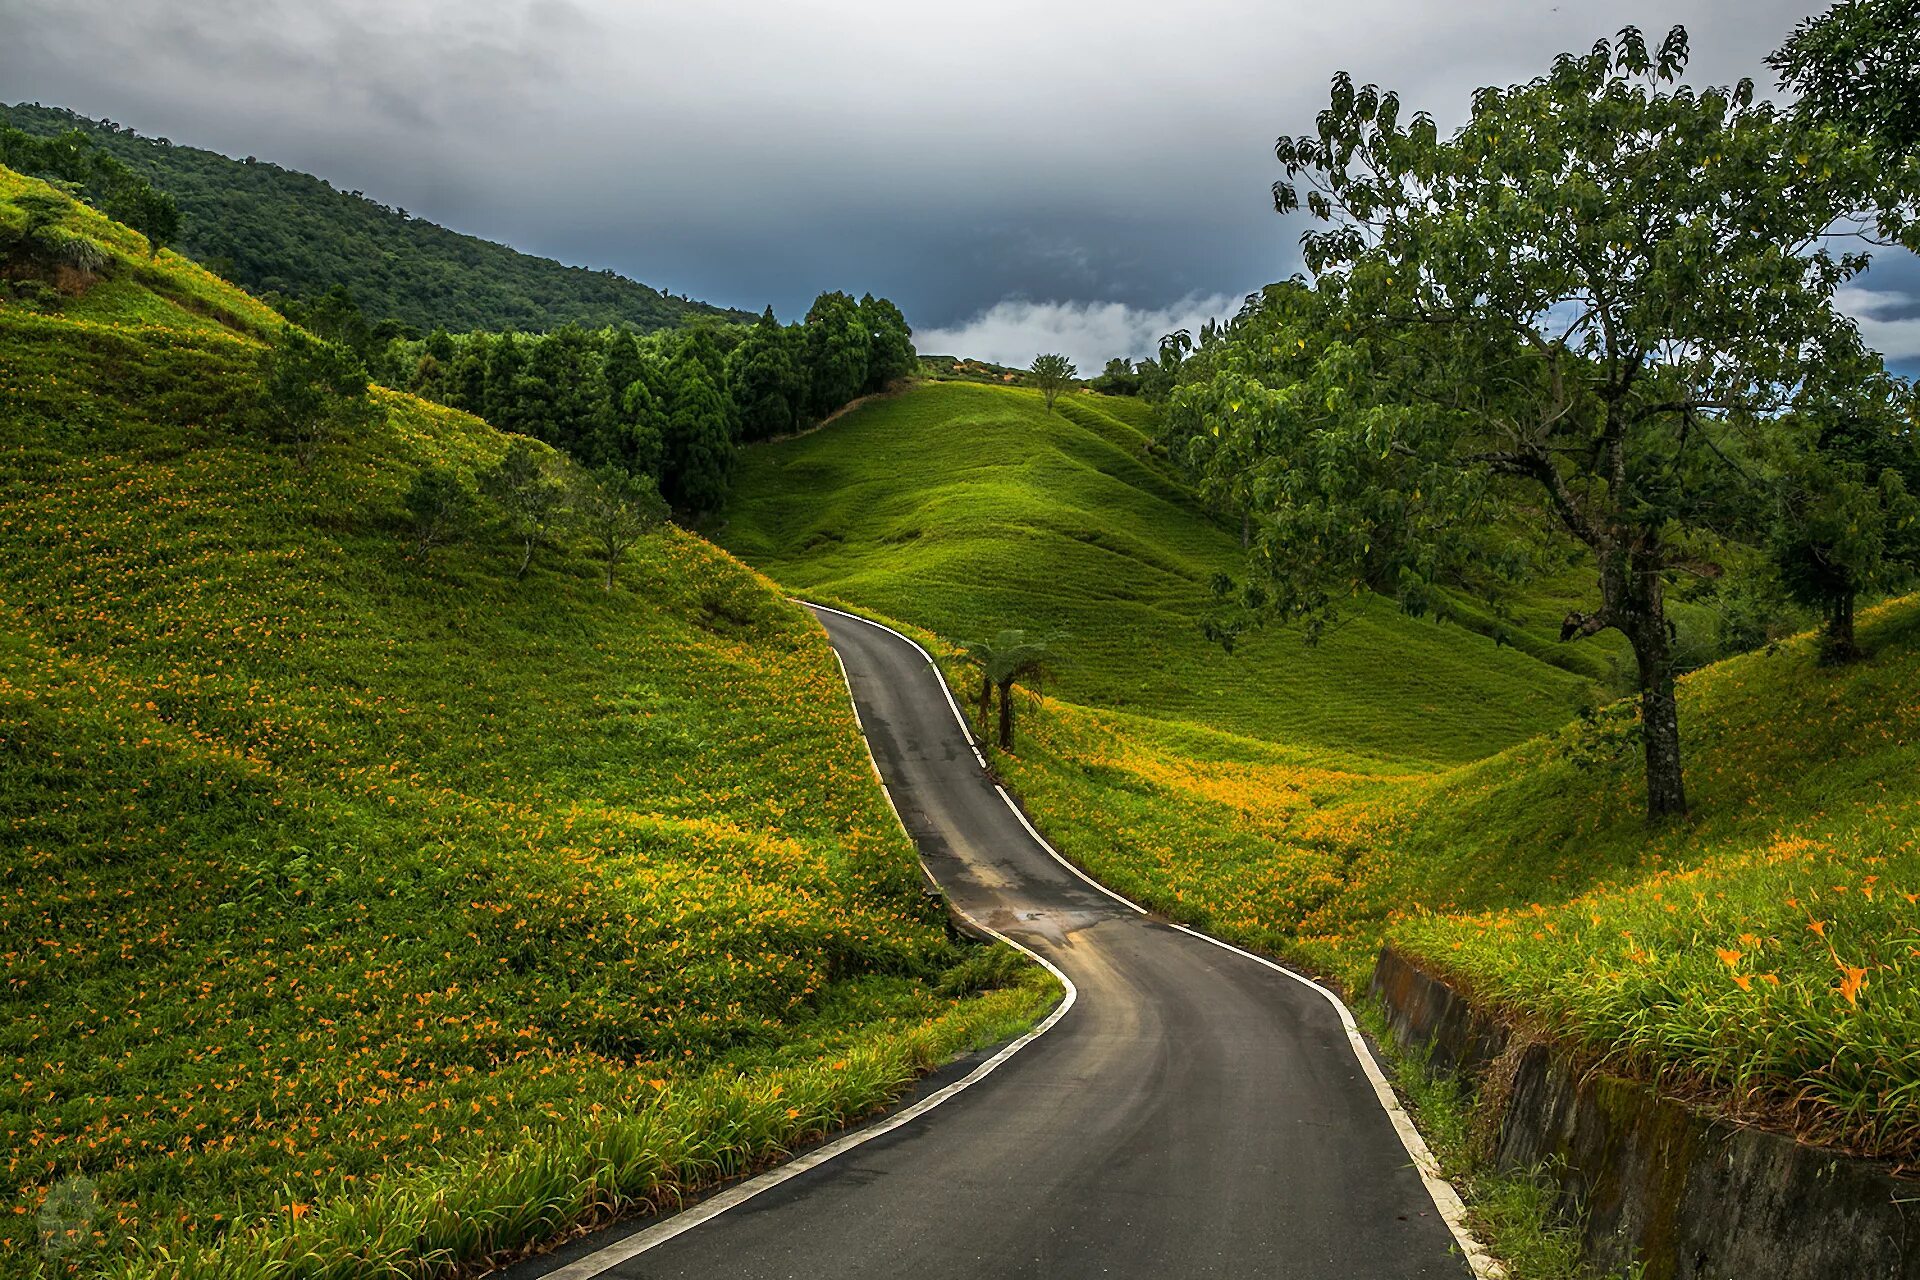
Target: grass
366,913
1760,958
1513,1212
968,508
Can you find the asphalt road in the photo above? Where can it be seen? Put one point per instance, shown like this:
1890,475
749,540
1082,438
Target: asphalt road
1194,1114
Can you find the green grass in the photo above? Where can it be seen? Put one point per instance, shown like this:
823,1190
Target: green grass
369,913
1514,1213
966,509
1761,958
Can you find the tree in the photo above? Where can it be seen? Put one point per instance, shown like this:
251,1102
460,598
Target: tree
640,446
525,487
1117,379
500,396
439,506
890,353
837,353
1847,516
102,179
1857,67
1052,374
616,509
466,385
312,391
1592,300
697,446
1011,657
619,369
768,386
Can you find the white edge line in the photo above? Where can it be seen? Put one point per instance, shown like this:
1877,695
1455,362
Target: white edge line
679,1224
1444,1197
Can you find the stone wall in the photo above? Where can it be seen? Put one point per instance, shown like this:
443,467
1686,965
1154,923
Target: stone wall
1684,1195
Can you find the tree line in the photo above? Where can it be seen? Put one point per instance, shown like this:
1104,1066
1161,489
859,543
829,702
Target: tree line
71,160
674,406
1600,316
279,231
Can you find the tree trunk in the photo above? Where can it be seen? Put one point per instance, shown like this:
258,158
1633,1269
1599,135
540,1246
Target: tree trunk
1246,530
526,558
1838,644
1646,628
1006,716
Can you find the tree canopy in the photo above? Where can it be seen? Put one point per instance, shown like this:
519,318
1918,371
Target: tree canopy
1584,312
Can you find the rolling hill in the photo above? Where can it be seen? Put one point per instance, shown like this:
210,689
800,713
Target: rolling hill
370,908
966,508
1404,782
275,230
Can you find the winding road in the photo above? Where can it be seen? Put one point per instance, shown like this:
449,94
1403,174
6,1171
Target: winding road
1196,1111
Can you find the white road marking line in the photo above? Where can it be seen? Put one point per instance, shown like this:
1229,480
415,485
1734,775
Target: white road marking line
1439,1190
653,1237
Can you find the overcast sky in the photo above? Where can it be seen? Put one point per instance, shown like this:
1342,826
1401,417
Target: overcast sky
1076,176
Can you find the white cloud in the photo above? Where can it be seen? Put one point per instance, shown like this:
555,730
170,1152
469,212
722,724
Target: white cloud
1013,331
1889,322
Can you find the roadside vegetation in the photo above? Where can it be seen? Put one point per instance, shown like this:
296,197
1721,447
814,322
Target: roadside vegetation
390,883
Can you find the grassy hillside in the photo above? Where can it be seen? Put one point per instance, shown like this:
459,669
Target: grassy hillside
1761,957
277,230
965,509
386,913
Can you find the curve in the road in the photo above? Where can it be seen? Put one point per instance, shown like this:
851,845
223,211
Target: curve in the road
1204,1112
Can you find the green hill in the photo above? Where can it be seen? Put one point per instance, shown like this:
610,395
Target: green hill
378,911
275,230
966,508
1315,803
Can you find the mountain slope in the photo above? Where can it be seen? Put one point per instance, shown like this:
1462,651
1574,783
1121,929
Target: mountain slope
965,509
379,911
275,230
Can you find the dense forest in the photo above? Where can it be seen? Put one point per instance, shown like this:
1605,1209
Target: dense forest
673,406
278,231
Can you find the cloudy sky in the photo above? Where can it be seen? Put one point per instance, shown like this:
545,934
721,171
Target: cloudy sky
1047,174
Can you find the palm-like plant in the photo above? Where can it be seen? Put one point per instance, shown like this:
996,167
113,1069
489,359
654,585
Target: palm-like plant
1012,657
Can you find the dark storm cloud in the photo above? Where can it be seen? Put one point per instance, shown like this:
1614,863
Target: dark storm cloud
746,151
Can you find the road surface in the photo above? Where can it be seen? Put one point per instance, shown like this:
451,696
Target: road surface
1195,1113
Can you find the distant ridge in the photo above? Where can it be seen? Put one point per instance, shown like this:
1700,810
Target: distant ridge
275,230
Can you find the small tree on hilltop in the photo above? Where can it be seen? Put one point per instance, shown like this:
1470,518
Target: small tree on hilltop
525,486
1052,374
616,509
313,391
440,506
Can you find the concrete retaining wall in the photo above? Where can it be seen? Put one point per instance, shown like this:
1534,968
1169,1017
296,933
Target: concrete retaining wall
1685,1196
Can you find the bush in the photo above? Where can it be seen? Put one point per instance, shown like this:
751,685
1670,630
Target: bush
312,391
441,508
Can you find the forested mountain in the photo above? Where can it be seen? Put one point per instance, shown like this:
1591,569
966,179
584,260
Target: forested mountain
279,231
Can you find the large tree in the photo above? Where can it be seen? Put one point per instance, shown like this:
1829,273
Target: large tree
1586,304
698,448
768,385
890,353
837,353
